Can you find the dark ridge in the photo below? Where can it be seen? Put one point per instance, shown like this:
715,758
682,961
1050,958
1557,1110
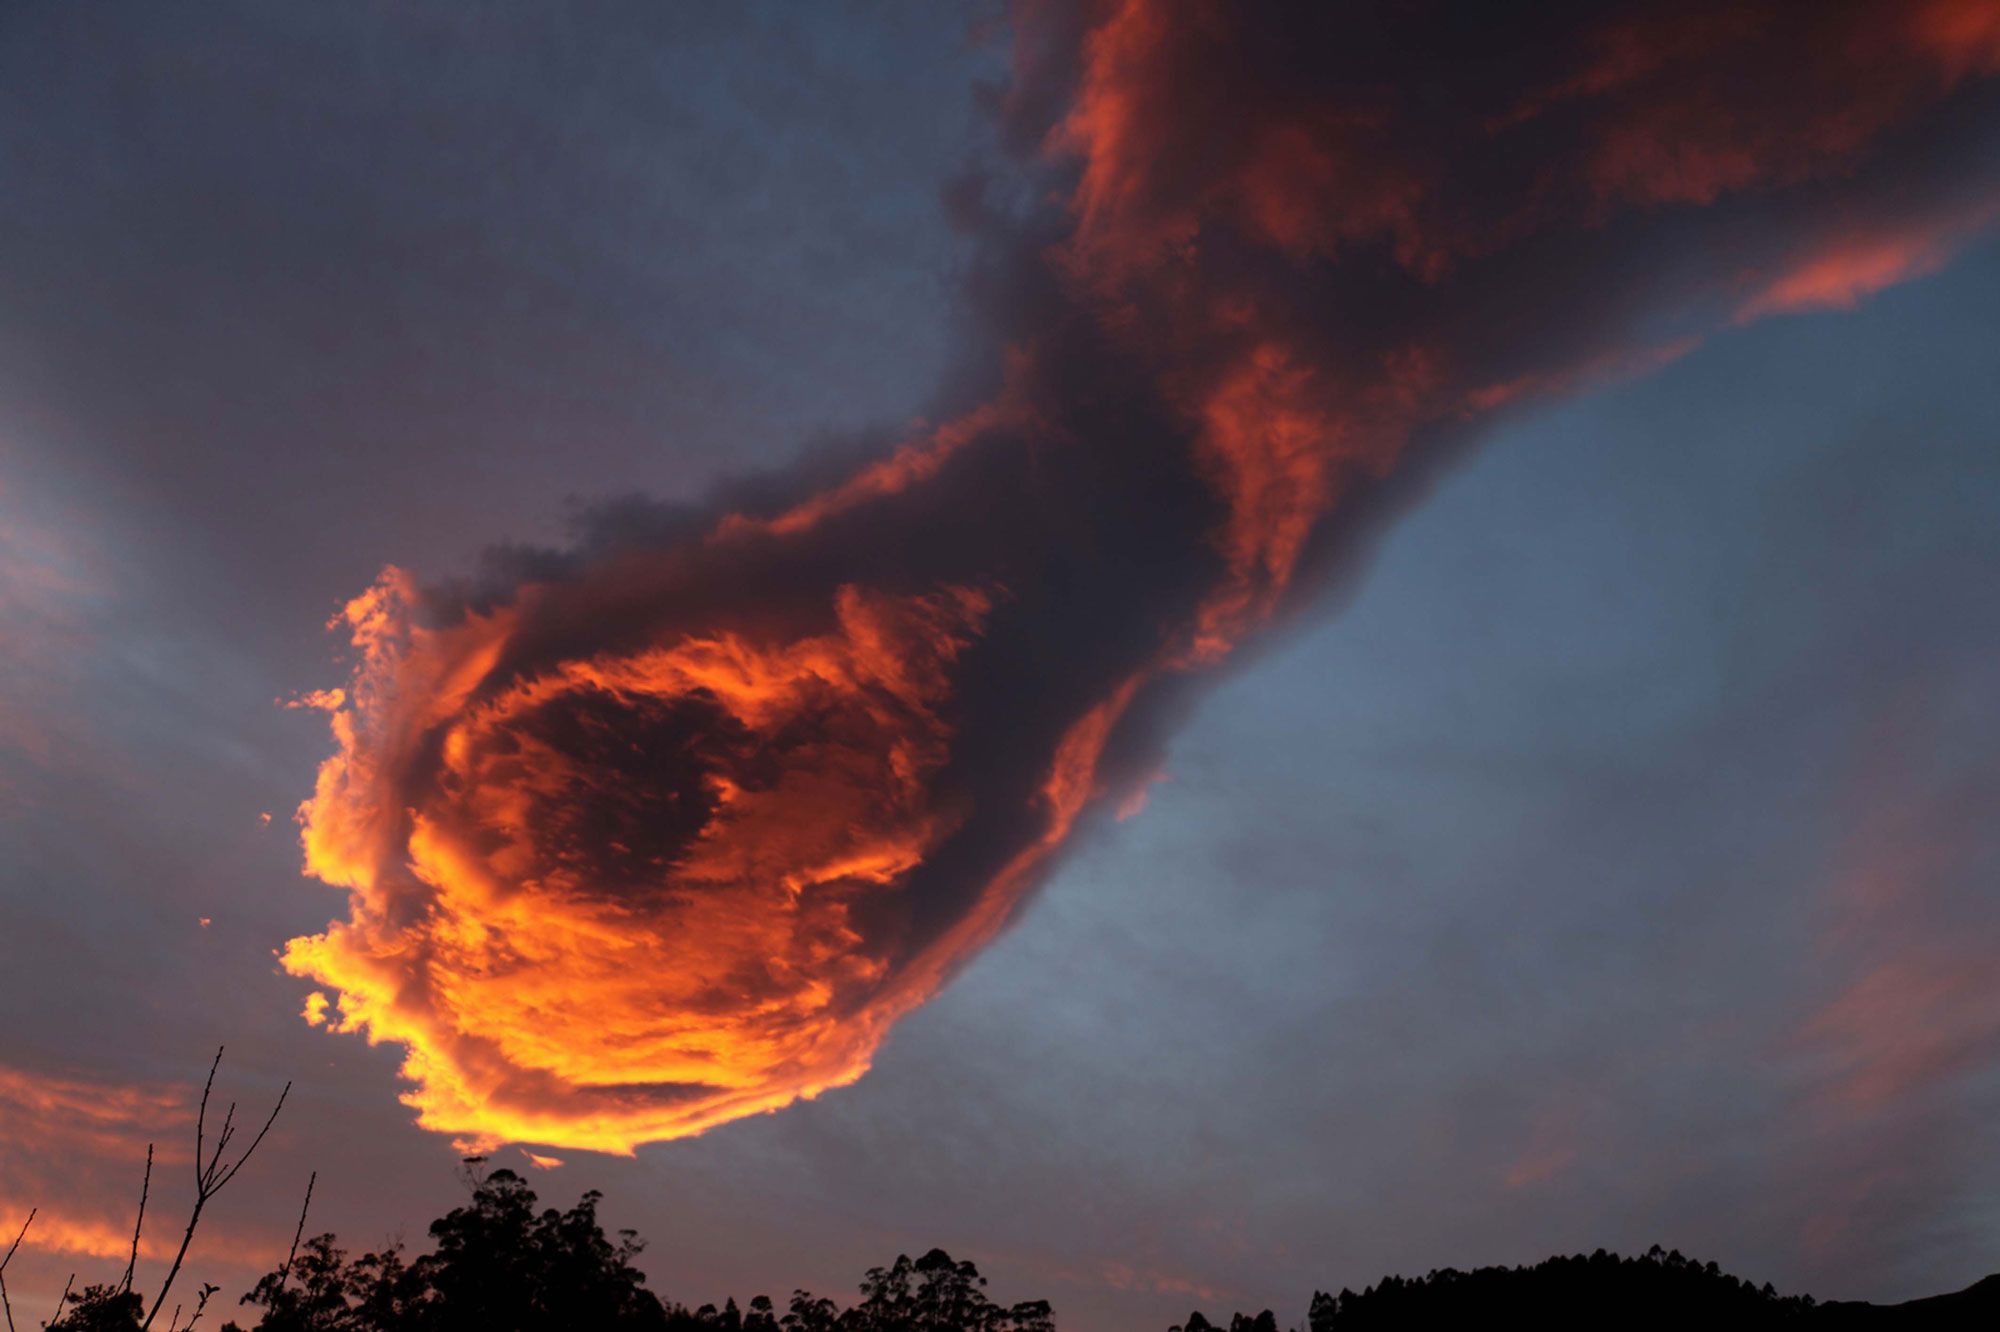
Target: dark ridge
1658,1289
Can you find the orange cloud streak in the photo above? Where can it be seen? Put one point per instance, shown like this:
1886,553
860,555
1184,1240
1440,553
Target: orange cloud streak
74,1148
1840,273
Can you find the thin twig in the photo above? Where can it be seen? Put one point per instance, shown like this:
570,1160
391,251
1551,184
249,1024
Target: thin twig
145,1188
211,1176
201,1116
286,1271
6,1304
61,1301
207,1290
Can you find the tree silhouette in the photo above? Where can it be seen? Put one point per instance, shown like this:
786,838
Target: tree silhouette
108,1308
1658,1289
1263,1322
502,1263
498,1265
937,1294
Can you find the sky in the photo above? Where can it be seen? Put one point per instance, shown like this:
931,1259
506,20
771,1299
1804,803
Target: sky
1550,815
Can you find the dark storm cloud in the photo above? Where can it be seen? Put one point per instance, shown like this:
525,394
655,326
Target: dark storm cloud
673,829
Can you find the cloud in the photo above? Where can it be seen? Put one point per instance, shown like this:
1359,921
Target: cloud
1918,1006
1893,1050
89,1139
1843,270
75,1153
670,828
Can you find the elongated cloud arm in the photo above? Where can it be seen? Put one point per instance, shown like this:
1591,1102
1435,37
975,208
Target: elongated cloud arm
676,830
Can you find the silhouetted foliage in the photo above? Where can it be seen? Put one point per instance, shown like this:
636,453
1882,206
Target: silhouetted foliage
113,1308
934,1292
1263,1322
498,1264
1658,1289
503,1263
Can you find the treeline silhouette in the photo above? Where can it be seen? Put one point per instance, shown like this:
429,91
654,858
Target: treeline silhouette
503,1263
500,1265
1658,1289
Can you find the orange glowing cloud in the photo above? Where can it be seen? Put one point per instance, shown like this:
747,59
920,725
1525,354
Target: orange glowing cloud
74,1149
674,830
1838,274
672,949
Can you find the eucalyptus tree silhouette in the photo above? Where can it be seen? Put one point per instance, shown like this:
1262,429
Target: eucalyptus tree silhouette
502,1263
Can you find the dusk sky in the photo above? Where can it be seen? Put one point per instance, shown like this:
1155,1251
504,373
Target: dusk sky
1198,654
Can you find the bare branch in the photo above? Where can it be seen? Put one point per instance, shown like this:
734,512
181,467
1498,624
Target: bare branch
230,1173
18,1238
221,1142
62,1300
145,1189
6,1304
201,1115
285,1272
211,1176
207,1291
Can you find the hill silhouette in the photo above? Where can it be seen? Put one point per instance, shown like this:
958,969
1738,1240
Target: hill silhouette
1659,1289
